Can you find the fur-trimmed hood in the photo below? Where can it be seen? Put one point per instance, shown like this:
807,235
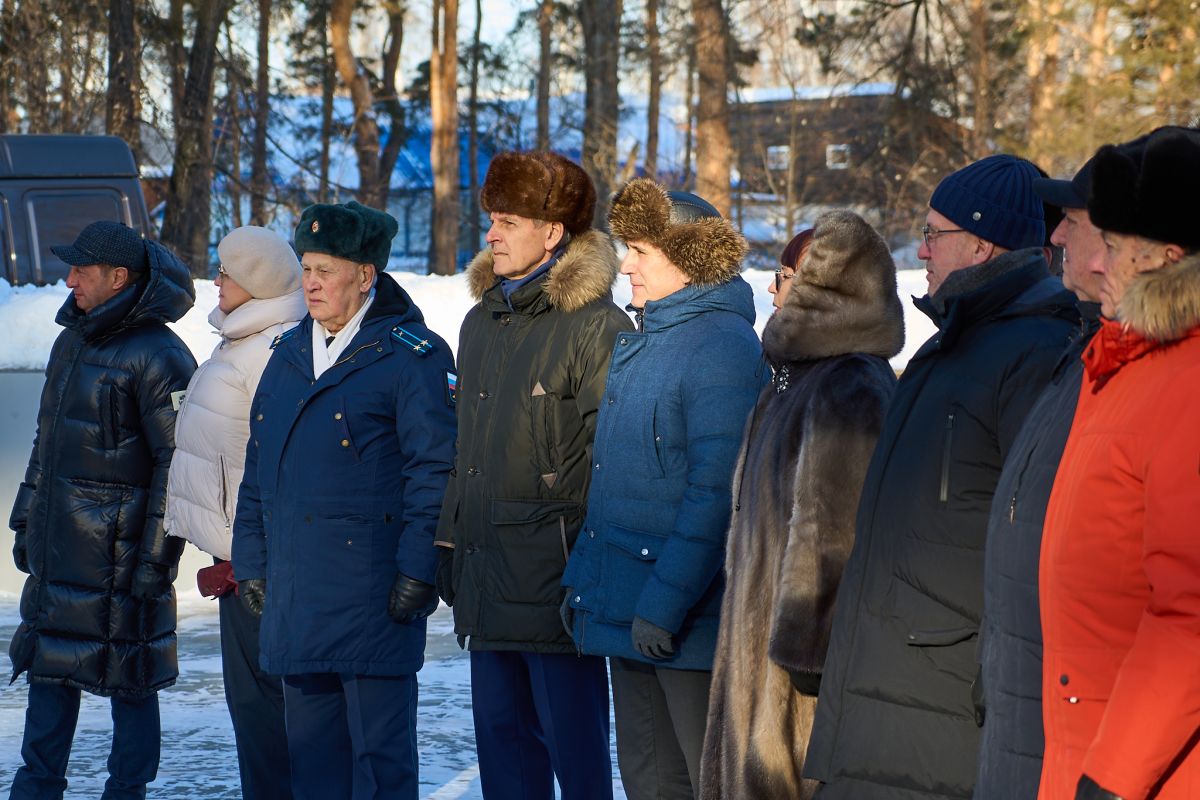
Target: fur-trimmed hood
707,249
843,299
585,272
1164,305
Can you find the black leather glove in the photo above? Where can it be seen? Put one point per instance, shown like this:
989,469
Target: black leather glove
150,580
20,554
977,697
445,575
253,592
652,641
807,683
411,599
567,614
1088,789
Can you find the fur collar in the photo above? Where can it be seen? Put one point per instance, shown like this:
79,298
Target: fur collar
843,299
585,272
1164,304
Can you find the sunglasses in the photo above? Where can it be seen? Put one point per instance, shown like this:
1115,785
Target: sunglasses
781,276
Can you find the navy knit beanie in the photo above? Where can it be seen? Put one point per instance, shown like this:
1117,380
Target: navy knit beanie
994,199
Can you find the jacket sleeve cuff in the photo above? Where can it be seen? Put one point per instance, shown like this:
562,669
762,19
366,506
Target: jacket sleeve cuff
663,605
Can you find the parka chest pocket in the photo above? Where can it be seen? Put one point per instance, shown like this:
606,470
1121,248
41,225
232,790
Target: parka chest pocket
343,438
543,435
109,416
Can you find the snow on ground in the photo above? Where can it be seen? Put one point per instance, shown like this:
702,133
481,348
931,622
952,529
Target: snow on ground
27,313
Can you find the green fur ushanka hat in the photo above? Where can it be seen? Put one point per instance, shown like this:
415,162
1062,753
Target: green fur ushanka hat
352,231
686,228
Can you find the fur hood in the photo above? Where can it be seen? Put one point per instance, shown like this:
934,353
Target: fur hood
843,299
584,273
707,249
1164,305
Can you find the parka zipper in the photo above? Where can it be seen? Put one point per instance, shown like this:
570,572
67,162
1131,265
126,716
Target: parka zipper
562,535
944,493
224,492
1012,509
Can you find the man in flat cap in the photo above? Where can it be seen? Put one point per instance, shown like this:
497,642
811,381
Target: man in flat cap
1120,558
351,443
896,715
1010,652
98,608
533,356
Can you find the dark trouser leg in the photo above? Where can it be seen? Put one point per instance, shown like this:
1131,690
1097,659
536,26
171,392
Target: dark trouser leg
50,720
686,693
318,737
255,702
382,715
513,761
570,695
137,737
653,767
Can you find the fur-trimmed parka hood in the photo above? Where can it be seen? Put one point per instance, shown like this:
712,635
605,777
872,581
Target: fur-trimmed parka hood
843,299
1164,305
706,248
585,272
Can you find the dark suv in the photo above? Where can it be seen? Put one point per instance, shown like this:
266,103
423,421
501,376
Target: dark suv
51,187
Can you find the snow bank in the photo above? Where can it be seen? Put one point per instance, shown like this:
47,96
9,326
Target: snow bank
27,313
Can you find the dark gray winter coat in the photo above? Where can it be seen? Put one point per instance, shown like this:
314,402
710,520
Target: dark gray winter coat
799,476
91,505
1010,752
895,717
530,381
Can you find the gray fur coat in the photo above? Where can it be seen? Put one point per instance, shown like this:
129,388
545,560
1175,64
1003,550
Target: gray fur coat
796,493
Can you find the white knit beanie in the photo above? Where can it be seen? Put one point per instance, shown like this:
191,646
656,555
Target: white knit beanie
261,261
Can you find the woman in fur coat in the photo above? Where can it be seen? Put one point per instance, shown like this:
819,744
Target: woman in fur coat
799,476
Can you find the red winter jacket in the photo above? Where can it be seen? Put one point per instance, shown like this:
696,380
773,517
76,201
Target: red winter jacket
1120,561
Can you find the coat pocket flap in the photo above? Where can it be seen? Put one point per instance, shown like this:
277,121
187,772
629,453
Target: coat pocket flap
941,638
640,545
524,512
1084,676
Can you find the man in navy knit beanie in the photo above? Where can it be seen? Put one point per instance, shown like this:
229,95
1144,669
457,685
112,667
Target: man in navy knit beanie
900,702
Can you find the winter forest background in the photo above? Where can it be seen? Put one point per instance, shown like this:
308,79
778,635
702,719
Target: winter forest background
245,112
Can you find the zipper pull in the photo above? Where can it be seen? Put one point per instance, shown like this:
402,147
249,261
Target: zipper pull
1012,509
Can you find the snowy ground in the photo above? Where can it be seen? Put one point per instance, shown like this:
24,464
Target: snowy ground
198,757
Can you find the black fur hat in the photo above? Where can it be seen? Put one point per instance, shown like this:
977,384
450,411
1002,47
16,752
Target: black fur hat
689,231
352,231
1147,187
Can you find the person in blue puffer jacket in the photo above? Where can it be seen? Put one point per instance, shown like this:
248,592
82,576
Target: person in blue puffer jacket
644,581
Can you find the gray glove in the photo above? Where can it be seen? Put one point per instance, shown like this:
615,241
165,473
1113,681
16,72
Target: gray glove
253,592
567,614
150,580
652,641
411,599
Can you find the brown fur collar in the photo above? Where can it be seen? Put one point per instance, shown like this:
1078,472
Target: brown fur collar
843,299
1163,305
708,250
585,272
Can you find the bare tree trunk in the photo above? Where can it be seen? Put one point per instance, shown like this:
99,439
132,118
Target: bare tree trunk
443,83
981,73
654,89
689,104
6,56
1042,73
601,42
545,17
262,110
366,130
713,142
186,224
37,75
1097,58
230,133
177,58
473,132
66,75
123,110
390,98
327,89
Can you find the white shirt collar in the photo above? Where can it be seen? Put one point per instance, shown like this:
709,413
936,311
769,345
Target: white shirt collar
325,357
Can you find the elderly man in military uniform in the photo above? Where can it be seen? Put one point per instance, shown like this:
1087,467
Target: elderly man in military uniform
351,444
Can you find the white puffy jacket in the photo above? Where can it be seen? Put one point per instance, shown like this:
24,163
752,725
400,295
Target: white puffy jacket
213,423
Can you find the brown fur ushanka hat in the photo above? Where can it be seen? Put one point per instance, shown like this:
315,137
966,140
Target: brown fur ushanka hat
539,185
689,231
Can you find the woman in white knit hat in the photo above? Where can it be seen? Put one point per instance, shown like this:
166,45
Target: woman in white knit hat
259,298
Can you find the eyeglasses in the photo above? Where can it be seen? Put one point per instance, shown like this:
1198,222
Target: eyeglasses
221,270
931,234
781,276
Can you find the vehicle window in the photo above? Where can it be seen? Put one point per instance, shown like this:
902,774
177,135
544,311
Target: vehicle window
57,216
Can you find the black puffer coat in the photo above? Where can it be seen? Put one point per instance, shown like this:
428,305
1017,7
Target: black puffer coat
895,717
91,506
531,377
1010,753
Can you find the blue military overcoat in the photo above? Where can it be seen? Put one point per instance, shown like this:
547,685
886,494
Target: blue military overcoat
678,394
343,485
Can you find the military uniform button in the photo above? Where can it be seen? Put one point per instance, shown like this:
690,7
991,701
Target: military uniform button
345,442
577,598
338,415
259,418
645,552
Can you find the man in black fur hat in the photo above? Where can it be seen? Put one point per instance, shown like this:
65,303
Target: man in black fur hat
533,355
